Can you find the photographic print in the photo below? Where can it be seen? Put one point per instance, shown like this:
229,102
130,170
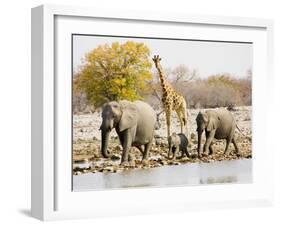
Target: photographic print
157,112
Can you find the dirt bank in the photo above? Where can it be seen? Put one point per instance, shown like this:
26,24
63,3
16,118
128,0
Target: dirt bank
86,144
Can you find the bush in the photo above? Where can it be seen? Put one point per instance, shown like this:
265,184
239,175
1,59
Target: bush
215,91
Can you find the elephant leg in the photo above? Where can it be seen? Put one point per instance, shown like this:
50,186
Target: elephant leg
140,148
146,150
236,147
227,150
121,139
175,153
127,143
199,149
184,152
209,139
211,149
187,153
170,154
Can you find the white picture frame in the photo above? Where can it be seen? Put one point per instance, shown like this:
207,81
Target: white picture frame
52,197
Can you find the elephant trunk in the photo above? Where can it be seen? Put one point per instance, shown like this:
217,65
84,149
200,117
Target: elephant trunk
104,143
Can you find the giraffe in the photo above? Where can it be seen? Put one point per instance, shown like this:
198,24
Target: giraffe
172,101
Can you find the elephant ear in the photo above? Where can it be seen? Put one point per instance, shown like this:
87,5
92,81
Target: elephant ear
211,124
205,117
129,115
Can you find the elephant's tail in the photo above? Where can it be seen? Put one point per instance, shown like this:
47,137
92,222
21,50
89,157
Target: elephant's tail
157,125
240,130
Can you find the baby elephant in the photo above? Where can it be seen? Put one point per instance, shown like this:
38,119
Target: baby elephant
177,142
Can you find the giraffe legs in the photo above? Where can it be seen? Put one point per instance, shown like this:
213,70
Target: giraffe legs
181,113
168,121
183,120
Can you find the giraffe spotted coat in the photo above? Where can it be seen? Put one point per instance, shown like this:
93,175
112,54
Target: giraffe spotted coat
172,101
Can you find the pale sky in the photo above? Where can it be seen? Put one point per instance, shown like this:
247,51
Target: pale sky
208,58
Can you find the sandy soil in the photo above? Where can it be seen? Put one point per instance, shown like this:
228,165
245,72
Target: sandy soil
86,144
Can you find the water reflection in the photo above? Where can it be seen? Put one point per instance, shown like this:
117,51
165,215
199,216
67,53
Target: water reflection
219,180
237,171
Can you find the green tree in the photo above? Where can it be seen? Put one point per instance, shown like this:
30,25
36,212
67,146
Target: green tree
114,72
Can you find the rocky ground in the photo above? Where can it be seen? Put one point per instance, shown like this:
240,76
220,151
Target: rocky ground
86,144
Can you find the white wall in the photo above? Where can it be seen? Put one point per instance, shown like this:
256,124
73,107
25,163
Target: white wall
15,109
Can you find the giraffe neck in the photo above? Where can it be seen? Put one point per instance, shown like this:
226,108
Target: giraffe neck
164,82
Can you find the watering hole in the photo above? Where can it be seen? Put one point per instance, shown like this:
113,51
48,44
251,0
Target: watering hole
236,171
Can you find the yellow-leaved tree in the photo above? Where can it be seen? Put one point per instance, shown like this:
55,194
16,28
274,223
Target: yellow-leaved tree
114,72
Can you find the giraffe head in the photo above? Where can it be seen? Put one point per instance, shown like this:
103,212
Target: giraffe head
156,59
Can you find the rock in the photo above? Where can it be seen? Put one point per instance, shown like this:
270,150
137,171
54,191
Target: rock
81,161
170,163
249,156
193,155
131,158
157,165
108,169
118,148
193,136
158,142
132,164
115,158
114,138
155,149
157,136
161,142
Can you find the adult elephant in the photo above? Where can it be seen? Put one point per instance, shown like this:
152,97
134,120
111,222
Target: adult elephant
134,123
219,124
